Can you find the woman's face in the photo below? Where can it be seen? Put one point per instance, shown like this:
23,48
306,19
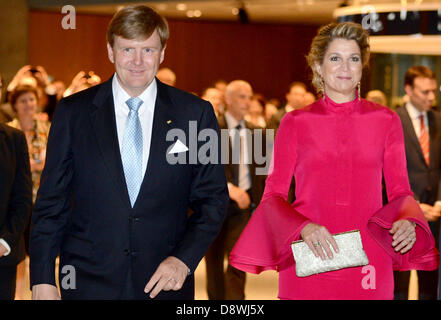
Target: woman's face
341,68
26,104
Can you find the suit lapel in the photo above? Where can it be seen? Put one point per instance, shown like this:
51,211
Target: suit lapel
410,132
433,131
232,169
2,133
104,126
163,121
250,144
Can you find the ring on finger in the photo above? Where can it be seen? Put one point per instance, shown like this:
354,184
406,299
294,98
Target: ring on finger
316,244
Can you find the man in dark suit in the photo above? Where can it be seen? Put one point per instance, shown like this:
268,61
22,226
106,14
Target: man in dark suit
422,136
15,204
245,185
111,202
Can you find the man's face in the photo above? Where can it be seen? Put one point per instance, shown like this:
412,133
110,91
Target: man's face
295,96
422,93
136,61
238,101
214,96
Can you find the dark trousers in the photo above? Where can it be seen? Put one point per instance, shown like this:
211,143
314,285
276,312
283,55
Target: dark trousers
439,282
228,284
7,282
427,285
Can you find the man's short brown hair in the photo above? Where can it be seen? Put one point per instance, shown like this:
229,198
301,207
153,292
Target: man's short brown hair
417,72
137,22
297,84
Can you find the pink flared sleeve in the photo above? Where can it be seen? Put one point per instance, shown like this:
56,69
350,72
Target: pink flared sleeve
402,205
265,243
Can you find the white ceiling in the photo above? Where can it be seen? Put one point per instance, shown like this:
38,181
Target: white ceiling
282,11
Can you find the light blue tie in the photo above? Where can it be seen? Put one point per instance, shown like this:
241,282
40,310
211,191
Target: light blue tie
132,150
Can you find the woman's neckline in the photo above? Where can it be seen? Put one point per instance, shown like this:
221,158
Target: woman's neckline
344,106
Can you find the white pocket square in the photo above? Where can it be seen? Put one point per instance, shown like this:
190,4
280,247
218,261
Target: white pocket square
178,147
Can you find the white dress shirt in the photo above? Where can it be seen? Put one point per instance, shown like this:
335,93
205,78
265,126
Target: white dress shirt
414,115
145,113
288,108
244,171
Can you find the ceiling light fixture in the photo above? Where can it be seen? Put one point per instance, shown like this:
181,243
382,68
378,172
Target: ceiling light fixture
404,27
181,7
162,6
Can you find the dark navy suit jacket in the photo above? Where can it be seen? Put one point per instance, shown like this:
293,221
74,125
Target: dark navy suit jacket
15,192
83,210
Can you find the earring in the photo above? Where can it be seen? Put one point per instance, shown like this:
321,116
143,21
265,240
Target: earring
359,90
322,88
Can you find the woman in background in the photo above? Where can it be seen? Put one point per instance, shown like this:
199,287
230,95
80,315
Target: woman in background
24,101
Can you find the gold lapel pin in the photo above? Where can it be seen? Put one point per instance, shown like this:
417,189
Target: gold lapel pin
168,121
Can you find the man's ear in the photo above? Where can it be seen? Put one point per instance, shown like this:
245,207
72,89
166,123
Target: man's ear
162,54
110,53
227,98
408,89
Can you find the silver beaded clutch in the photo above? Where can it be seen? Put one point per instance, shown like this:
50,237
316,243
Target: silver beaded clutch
350,254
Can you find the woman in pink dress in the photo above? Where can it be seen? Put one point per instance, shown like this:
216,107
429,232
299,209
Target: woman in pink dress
338,150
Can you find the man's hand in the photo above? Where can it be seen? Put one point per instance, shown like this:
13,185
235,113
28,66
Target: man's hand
240,196
42,76
45,292
431,213
3,250
170,275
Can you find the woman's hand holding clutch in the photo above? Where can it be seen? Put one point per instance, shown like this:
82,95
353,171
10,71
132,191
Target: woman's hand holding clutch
317,238
404,235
